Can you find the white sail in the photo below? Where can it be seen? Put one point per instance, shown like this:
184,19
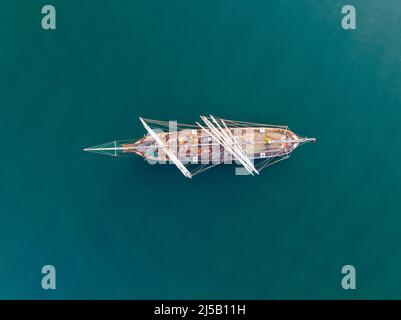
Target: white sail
232,141
255,146
229,144
170,154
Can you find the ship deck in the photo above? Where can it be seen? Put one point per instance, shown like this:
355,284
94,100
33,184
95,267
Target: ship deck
197,146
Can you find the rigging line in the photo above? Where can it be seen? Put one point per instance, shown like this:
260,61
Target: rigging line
268,160
261,165
235,147
166,123
204,169
281,159
240,148
228,147
215,144
268,163
232,123
170,154
254,123
278,160
99,148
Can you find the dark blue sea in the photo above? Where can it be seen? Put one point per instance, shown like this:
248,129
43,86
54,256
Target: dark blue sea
119,228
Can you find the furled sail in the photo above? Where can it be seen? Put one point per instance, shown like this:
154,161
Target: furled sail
195,148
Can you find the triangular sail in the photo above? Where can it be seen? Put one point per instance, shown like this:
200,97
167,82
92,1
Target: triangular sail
114,148
108,149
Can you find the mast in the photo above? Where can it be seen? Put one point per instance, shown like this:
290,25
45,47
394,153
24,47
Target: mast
220,131
170,154
229,144
231,138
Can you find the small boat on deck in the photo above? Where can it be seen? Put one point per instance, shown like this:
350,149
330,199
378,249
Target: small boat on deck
197,148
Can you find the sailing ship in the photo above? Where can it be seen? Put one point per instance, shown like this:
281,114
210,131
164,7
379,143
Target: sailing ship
199,147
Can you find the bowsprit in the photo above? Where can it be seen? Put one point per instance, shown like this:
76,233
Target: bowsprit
197,148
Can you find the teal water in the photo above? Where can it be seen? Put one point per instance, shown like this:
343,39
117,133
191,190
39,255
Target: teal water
122,229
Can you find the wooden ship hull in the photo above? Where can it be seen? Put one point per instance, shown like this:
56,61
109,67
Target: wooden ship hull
196,145
217,141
